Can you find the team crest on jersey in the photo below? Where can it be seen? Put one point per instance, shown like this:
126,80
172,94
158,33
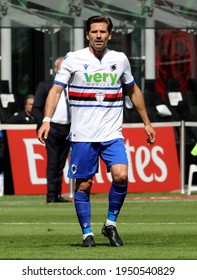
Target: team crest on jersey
113,67
100,96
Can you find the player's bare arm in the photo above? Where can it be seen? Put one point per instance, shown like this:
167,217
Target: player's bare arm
138,100
51,103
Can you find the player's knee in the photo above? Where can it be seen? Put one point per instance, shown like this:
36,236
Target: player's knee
84,185
120,178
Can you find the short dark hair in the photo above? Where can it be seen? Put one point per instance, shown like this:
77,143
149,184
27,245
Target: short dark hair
95,19
29,96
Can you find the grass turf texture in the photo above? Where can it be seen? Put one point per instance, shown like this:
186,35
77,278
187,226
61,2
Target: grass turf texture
164,227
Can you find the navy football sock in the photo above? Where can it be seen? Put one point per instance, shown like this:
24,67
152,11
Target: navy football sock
116,198
83,210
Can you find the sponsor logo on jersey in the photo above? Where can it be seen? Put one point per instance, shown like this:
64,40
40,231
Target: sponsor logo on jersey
101,77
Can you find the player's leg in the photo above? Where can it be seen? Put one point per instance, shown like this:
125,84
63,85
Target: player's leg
116,158
117,191
83,210
83,165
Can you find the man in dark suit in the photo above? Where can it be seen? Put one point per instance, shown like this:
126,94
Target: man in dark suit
57,144
25,116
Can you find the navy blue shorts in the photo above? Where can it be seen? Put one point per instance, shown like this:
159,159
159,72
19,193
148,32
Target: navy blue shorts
84,157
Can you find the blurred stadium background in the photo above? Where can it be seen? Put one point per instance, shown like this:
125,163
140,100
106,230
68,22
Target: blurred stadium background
159,37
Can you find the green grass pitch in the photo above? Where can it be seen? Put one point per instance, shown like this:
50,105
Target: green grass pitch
164,227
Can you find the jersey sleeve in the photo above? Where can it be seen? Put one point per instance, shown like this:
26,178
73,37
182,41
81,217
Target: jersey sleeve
63,75
127,77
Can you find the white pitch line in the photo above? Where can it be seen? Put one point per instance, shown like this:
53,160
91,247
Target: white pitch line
129,201
137,223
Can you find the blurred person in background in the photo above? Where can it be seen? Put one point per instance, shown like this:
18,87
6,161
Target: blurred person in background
25,116
57,144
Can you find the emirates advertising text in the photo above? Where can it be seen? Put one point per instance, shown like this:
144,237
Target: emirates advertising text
152,168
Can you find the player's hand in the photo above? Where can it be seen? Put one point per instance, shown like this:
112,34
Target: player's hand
43,132
151,134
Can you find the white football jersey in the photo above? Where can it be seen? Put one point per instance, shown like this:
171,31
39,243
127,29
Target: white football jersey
95,93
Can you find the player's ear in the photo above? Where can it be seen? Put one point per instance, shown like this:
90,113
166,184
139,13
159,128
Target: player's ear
87,36
110,36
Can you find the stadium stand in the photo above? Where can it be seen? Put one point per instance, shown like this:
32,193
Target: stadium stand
191,186
8,102
191,96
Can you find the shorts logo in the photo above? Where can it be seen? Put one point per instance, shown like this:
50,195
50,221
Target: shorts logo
74,169
100,96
